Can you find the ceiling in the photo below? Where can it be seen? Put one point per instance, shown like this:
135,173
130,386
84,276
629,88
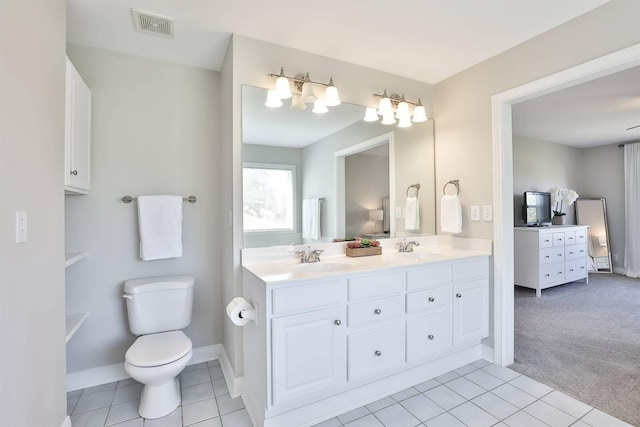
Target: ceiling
426,40
591,114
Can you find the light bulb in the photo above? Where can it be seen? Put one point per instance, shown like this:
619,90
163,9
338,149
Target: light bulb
403,109
297,104
419,113
404,122
331,94
273,101
308,95
320,106
384,106
388,118
282,88
370,115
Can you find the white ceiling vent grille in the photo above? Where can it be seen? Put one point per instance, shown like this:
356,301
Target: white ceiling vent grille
151,23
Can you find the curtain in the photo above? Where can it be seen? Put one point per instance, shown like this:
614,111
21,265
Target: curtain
632,209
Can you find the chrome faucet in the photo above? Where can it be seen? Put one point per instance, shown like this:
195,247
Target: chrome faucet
407,247
309,255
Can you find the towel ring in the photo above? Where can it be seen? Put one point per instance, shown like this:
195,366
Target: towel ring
416,187
455,182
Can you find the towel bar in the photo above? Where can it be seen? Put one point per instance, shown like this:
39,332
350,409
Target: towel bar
417,188
129,199
455,182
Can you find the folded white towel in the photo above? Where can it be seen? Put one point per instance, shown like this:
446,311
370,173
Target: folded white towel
311,218
450,214
160,224
412,214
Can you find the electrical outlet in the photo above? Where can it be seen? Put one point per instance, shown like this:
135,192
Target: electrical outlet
475,213
21,227
487,213
615,257
399,212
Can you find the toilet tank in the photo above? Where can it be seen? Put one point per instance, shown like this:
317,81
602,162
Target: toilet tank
159,304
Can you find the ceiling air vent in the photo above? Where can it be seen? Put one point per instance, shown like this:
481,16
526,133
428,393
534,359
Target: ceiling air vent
151,23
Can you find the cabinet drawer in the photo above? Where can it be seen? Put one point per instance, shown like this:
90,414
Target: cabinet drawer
373,311
576,269
470,269
375,286
545,240
429,334
575,252
549,255
428,277
429,299
569,237
601,261
304,298
558,239
581,236
375,350
551,273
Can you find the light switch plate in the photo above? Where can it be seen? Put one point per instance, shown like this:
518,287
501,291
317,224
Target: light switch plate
21,227
475,213
487,213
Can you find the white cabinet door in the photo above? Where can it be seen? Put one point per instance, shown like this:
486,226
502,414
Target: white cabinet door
77,132
308,353
470,311
375,350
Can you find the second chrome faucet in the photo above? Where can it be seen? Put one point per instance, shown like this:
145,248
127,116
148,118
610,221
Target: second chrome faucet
309,255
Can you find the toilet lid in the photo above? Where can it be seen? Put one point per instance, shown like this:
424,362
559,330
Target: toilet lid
158,349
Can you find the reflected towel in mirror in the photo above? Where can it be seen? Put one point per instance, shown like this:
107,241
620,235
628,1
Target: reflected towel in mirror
412,214
311,218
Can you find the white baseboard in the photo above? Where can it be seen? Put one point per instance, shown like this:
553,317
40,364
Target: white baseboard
487,353
110,373
66,422
233,383
618,270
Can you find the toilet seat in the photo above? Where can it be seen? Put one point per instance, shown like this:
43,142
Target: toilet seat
158,349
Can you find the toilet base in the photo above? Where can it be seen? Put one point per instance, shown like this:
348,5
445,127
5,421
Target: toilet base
157,401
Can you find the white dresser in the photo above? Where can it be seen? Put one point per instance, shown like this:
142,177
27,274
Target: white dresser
550,256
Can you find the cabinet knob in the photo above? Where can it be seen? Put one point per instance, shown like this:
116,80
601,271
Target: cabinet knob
458,295
431,299
377,311
546,275
74,172
378,353
337,322
430,336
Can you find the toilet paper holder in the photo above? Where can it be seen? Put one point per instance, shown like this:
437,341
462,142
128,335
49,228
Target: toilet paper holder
241,311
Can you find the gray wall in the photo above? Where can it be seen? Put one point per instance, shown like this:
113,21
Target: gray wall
32,312
155,131
366,183
541,165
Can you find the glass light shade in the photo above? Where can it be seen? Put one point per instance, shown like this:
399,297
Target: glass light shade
388,118
403,109
331,95
404,122
370,115
320,106
384,106
297,104
419,114
282,88
273,100
308,95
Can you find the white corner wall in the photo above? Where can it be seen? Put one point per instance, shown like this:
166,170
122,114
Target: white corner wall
155,130
32,312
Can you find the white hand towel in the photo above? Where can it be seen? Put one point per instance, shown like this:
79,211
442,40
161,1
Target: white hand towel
306,220
450,214
412,214
311,218
160,224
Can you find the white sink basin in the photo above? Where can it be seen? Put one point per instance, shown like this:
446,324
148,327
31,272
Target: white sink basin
424,255
320,267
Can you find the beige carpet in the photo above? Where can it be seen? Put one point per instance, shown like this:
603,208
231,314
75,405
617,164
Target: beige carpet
584,340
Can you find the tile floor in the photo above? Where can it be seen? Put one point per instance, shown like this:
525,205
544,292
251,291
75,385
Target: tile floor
477,395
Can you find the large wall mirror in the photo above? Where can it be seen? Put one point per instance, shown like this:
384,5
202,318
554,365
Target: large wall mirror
593,212
311,178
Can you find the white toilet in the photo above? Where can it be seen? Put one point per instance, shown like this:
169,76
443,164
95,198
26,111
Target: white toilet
157,308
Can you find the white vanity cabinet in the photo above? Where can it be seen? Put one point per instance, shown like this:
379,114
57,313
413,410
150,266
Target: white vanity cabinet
550,256
77,133
321,346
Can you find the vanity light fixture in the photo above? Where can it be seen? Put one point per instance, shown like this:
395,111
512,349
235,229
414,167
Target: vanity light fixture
307,94
386,107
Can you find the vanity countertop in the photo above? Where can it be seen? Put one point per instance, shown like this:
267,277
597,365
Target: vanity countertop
287,267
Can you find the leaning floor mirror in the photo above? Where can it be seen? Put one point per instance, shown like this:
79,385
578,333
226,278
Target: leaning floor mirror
593,212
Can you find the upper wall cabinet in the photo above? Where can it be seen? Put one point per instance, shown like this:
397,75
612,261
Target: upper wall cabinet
77,147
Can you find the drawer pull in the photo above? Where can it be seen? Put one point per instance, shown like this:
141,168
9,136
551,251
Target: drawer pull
546,241
337,322
378,353
581,251
377,311
546,275
571,270
458,295
431,299
559,272
546,257
430,336
570,253
559,255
